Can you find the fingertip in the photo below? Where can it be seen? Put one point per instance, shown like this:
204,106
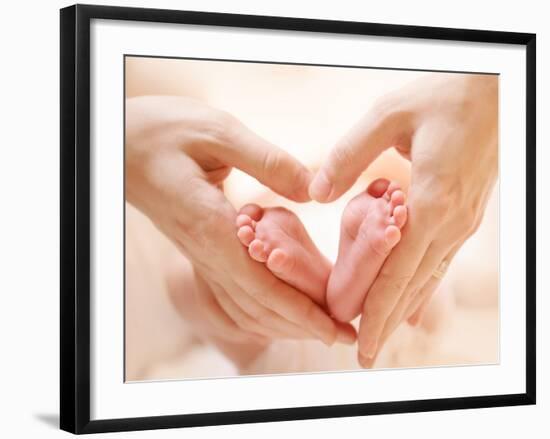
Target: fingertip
414,320
320,188
365,363
322,326
303,185
368,349
346,333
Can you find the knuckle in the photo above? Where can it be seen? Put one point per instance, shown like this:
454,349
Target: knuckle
221,127
371,312
271,162
383,108
342,155
392,282
211,227
430,208
465,223
391,110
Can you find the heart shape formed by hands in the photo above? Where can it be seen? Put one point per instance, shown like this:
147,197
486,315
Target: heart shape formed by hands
370,227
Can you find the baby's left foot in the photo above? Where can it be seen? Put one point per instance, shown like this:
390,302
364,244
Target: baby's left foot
371,227
276,237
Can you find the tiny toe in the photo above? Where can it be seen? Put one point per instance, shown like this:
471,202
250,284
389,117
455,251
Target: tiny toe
397,198
254,211
279,261
393,186
244,220
256,250
378,187
245,235
400,216
392,235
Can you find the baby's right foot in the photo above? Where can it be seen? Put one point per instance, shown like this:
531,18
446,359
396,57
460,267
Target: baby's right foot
371,225
276,237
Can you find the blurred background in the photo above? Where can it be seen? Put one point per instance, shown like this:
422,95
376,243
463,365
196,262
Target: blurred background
305,110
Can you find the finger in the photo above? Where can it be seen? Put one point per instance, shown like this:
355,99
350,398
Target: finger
269,322
263,320
430,262
346,333
353,154
264,161
417,291
391,282
223,326
289,303
240,317
429,277
415,311
262,286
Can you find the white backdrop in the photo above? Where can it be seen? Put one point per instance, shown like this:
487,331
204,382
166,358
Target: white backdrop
29,224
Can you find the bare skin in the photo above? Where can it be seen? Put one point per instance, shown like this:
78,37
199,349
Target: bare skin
276,237
189,293
447,126
370,229
371,226
178,153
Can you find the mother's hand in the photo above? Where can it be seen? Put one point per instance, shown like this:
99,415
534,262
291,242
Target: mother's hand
447,127
178,153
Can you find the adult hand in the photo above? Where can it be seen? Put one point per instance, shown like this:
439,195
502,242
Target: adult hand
447,126
178,153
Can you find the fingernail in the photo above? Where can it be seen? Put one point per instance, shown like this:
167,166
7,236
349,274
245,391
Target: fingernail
320,188
301,187
365,363
369,348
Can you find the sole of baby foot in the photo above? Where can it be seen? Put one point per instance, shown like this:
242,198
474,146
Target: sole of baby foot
276,237
370,229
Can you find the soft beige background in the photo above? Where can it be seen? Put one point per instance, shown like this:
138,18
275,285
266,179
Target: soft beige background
303,109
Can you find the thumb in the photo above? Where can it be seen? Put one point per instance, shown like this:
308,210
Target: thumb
269,164
374,133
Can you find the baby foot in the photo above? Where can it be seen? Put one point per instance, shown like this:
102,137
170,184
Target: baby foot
276,237
370,228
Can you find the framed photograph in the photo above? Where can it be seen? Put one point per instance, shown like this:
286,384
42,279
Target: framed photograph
274,218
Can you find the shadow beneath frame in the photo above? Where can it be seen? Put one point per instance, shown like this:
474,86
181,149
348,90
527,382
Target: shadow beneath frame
49,419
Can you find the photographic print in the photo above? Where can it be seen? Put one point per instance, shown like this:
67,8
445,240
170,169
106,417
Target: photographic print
272,218
185,320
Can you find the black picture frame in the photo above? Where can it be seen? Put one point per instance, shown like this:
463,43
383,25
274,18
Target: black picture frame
75,217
